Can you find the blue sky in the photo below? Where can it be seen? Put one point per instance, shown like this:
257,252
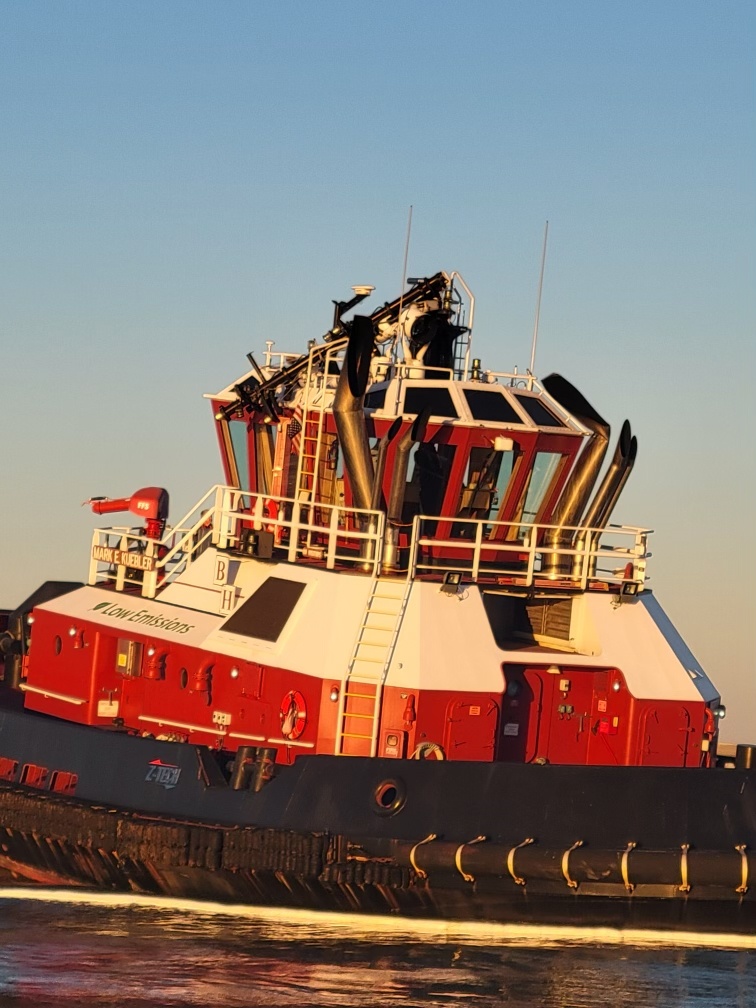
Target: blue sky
181,181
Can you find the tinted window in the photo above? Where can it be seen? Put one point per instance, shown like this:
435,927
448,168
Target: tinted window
541,480
437,399
375,400
491,405
238,430
538,413
266,612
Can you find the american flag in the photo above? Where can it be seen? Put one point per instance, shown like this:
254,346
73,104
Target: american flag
295,430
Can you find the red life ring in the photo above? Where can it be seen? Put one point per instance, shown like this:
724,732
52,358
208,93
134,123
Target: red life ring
293,714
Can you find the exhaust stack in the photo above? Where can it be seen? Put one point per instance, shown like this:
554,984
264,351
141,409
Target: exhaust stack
578,488
616,476
349,413
414,433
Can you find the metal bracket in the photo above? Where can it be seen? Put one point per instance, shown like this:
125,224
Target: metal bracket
510,860
625,859
566,864
741,849
685,885
458,857
419,871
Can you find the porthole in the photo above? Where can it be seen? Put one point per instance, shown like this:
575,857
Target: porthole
57,644
183,678
390,796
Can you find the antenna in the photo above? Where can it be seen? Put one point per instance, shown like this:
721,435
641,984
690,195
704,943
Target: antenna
404,266
406,250
538,299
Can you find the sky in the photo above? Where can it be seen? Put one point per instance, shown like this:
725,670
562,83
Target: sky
182,181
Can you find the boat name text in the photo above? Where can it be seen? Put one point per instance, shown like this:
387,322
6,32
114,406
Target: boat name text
123,558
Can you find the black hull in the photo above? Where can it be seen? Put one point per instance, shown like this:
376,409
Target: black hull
610,846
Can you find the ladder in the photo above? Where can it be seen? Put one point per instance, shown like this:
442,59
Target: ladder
309,454
313,410
362,686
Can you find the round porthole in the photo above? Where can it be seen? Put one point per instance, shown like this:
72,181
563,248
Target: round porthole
183,678
57,644
389,796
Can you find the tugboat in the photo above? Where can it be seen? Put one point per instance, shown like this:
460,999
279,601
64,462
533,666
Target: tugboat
400,662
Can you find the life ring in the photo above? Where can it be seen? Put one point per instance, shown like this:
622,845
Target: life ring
293,714
426,750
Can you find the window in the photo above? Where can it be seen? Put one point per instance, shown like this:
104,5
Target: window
486,481
538,412
491,405
427,477
238,430
375,400
436,397
540,481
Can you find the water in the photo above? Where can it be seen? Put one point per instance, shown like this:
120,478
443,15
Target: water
114,952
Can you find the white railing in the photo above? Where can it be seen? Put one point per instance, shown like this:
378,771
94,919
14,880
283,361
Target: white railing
567,556
354,538
225,517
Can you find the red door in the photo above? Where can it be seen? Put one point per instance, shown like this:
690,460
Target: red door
471,728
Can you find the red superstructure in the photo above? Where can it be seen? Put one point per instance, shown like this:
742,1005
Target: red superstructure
410,556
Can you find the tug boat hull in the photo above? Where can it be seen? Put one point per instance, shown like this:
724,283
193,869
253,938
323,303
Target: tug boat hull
596,846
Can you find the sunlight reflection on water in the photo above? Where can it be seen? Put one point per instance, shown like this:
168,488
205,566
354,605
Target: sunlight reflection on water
115,951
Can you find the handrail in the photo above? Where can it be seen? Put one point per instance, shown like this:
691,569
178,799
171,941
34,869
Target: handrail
302,530
482,558
333,536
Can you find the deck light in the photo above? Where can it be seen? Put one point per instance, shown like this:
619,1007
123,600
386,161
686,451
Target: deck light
334,694
720,711
234,673
451,583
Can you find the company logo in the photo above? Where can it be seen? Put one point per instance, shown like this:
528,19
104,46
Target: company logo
157,620
164,774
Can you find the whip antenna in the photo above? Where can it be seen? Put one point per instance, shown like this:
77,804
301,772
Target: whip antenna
538,299
404,268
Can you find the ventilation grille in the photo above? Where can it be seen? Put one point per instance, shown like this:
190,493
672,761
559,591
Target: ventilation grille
545,618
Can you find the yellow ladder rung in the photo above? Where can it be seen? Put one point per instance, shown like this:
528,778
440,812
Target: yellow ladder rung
347,734
367,717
